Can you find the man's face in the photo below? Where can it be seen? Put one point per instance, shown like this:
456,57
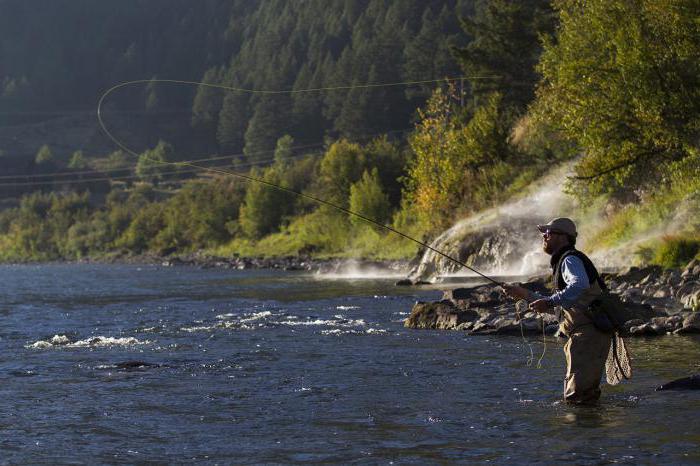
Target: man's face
552,241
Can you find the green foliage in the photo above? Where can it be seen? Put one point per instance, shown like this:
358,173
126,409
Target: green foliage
154,162
676,252
268,123
264,206
44,155
284,149
672,210
198,215
505,44
341,166
621,82
144,226
458,168
390,161
114,161
77,160
38,228
368,199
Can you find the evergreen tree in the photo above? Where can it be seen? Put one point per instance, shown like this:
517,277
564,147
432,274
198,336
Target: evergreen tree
77,160
504,48
44,155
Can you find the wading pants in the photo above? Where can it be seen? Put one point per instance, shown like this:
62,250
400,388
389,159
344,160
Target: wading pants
586,352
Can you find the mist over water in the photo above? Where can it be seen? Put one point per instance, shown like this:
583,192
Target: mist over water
504,240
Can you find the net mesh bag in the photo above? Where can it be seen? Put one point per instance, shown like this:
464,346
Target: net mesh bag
618,366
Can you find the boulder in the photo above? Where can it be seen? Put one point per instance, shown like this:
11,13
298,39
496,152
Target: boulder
631,294
633,274
686,289
632,323
647,330
674,322
692,300
691,324
457,294
632,311
438,315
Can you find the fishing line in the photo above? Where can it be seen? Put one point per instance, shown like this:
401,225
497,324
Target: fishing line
25,178
291,191
248,177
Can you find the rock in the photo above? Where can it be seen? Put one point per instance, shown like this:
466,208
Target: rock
687,288
478,326
662,292
659,321
632,323
457,294
691,324
674,323
404,282
632,275
631,294
686,383
465,326
646,330
439,315
674,278
652,274
505,325
692,300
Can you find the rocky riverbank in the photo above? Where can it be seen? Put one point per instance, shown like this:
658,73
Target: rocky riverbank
657,301
289,263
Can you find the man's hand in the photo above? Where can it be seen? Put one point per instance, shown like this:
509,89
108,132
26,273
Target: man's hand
516,291
542,306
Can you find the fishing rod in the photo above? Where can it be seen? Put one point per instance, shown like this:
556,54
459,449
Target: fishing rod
248,177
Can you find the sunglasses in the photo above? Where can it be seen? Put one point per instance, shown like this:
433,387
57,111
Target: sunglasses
548,233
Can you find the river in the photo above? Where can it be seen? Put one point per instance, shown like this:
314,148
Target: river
251,367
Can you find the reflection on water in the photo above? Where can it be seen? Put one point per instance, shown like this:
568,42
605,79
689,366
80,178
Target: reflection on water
124,364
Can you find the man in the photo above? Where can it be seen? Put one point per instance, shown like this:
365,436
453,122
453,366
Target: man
576,284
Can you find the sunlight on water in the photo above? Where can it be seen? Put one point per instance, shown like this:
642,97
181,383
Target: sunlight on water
270,367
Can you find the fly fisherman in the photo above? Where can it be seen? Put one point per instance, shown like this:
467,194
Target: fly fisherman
576,284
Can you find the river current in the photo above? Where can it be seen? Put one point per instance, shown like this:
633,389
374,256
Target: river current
250,367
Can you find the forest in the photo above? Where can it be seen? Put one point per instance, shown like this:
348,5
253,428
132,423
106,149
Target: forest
494,94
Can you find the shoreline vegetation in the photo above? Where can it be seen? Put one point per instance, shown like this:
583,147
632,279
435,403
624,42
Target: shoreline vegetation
610,87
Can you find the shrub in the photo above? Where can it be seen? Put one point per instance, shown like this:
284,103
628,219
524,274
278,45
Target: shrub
676,251
367,198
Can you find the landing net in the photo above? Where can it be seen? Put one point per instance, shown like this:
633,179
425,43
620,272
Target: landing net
618,366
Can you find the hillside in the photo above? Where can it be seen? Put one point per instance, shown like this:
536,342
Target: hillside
609,88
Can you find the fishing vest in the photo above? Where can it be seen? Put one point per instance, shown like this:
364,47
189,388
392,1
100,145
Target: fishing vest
576,316
557,262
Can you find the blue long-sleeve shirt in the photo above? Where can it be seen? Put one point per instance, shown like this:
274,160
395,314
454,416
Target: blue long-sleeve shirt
576,279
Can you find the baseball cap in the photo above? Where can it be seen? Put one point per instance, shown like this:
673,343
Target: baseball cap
560,225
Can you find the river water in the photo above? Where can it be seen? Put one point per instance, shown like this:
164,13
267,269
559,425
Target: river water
285,367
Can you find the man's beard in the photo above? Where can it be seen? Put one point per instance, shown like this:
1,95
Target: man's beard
548,248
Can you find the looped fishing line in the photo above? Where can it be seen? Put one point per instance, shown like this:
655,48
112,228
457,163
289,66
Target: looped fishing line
522,306
248,177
